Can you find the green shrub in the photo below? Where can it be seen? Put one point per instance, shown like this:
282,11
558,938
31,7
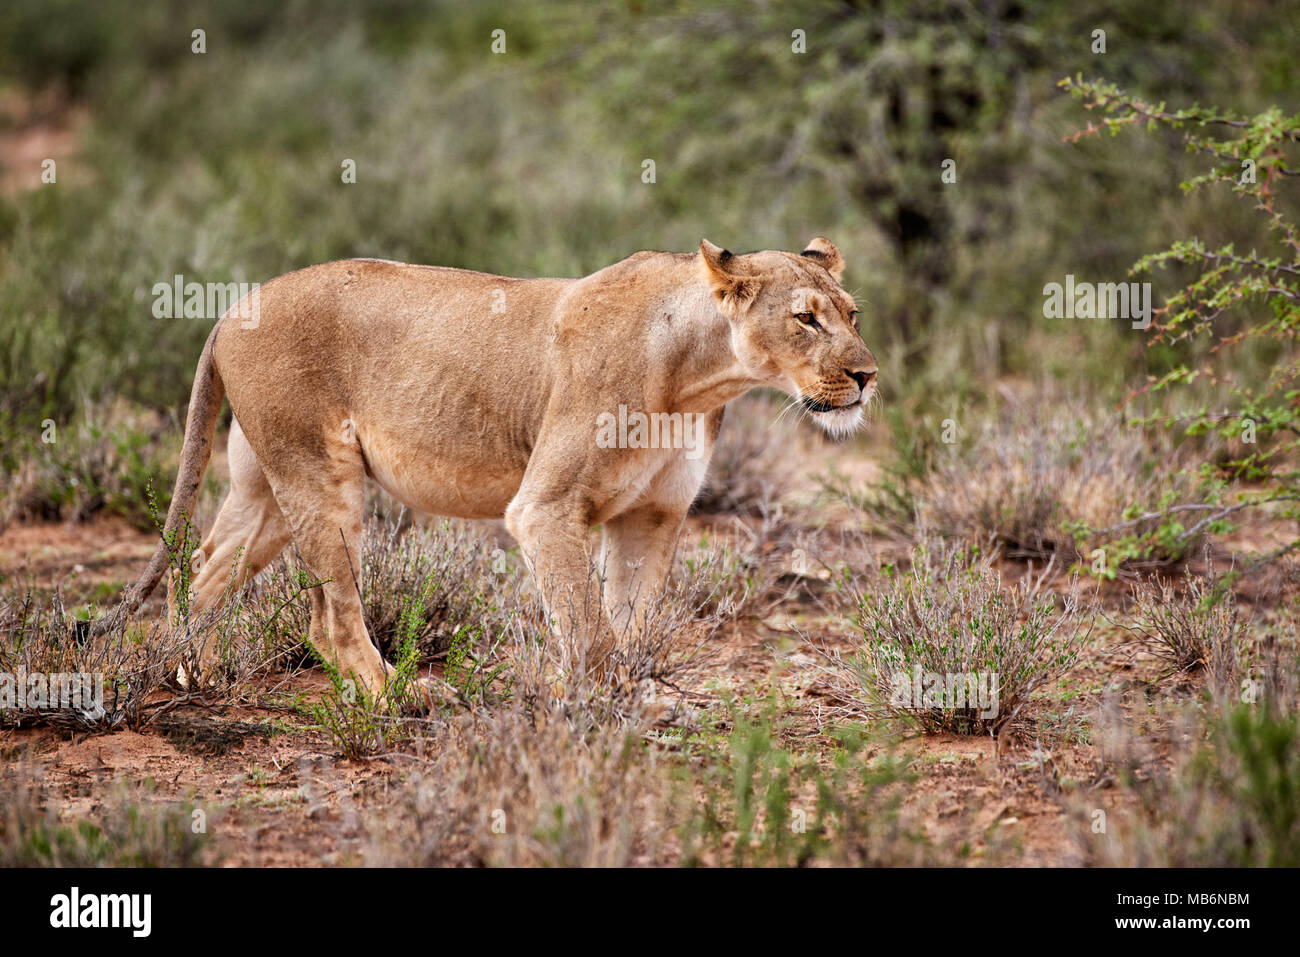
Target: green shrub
1234,321
745,800
946,647
1230,800
105,461
130,829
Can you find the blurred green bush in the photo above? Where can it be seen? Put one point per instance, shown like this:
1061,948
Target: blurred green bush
225,166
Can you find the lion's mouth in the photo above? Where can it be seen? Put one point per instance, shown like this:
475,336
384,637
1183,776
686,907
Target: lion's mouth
818,405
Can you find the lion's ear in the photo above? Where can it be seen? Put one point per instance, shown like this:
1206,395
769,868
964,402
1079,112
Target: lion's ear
733,290
822,250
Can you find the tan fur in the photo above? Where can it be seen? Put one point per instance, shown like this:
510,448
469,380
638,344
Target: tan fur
406,373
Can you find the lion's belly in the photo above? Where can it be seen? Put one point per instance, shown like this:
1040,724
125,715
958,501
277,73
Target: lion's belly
470,481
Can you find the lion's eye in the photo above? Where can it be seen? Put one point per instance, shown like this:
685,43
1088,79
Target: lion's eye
808,319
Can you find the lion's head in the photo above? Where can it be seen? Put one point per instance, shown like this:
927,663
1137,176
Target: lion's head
793,326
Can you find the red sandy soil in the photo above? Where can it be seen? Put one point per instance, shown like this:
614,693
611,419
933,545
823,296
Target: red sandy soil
287,797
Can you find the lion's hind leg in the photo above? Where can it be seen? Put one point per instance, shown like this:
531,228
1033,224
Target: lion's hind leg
321,494
250,531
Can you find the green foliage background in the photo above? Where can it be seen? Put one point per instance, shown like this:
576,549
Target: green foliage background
226,165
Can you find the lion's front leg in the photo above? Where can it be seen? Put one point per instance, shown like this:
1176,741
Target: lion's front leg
637,558
552,536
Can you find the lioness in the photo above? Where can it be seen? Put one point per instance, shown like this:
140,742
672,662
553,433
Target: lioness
479,396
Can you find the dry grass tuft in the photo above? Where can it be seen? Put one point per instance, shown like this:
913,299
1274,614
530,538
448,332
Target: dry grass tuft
1043,481
1199,629
946,647
521,788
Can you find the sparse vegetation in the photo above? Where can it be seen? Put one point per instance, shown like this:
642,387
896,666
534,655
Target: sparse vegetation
1050,483
365,722
130,830
431,583
120,670
945,646
105,461
751,801
517,790
1201,629
999,516
1228,800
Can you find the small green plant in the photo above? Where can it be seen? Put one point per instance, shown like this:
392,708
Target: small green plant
362,722
472,673
131,829
1231,800
946,647
1261,776
745,800
181,545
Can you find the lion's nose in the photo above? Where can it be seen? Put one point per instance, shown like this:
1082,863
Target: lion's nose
863,377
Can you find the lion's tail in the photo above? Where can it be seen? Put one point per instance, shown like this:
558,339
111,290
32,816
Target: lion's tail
200,425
